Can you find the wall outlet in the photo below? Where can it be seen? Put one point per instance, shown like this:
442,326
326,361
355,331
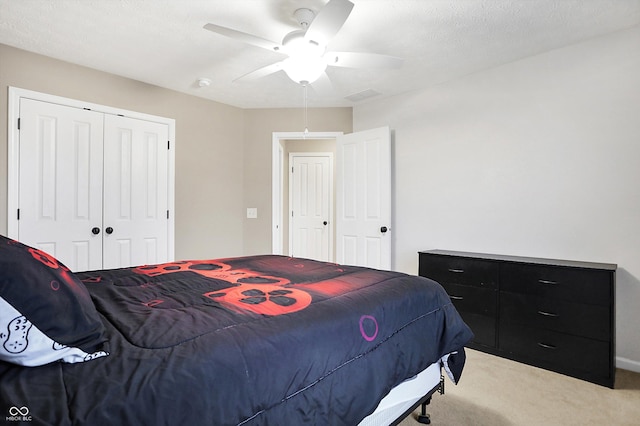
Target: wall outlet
252,213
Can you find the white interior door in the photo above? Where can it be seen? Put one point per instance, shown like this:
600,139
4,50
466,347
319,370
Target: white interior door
135,192
310,192
60,182
363,201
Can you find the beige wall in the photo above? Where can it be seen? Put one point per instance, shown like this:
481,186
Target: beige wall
223,153
260,125
209,139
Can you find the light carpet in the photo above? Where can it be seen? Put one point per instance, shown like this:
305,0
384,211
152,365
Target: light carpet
494,391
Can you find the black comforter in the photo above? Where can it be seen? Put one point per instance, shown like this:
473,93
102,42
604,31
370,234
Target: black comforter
261,340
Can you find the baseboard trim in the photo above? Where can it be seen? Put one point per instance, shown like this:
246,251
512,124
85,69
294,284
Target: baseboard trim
627,364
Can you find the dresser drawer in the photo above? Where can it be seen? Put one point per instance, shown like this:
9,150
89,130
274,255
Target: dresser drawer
459,270
562,351
483,327
478,307
473,299
556,282
591,321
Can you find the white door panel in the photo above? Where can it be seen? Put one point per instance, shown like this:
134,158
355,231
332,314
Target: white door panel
135,192
364,199
311,193
60,171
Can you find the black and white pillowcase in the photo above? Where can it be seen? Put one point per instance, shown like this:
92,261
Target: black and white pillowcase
46,313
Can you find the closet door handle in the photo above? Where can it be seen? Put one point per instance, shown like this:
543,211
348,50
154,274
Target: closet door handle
95,230
109,230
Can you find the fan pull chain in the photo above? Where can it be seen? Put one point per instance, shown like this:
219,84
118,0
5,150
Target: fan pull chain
306,128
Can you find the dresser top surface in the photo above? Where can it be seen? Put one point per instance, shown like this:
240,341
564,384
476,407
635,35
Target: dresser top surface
523,259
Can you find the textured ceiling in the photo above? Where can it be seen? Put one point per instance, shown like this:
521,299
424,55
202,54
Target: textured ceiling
162,42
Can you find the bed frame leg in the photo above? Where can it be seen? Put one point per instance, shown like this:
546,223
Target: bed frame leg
423,417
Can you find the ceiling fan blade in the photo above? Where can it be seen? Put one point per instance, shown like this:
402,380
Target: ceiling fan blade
362,60
244,37
323,84
328,21
261,72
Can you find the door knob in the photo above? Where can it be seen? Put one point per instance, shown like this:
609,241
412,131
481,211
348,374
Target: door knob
95,231
384,229
325,223
109,230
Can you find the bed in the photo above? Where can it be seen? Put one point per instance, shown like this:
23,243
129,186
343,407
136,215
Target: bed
255,340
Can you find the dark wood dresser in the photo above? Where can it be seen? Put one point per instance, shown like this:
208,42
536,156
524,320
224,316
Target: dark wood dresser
554,314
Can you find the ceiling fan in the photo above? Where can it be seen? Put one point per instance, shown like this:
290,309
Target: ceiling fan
306,48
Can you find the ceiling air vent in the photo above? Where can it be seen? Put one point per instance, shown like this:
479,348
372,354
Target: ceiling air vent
365,94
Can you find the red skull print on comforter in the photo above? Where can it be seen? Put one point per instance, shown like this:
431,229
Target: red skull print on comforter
259,340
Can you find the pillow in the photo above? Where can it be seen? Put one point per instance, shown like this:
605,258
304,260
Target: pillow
46,313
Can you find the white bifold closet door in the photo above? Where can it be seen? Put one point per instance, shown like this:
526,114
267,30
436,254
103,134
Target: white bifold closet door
135,192
93,187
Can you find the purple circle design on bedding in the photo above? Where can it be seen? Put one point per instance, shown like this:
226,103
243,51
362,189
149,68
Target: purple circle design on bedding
366,334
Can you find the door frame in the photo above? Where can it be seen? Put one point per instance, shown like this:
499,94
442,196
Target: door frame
13,148
330,219
277,190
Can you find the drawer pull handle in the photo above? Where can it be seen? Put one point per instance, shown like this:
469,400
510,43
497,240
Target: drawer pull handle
548,314
548,282
546,346
456,271
456,297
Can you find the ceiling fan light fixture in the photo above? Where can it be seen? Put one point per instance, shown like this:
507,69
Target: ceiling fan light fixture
305,63
295,44
304,69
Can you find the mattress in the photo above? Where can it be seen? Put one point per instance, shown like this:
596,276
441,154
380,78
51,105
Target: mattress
404,396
